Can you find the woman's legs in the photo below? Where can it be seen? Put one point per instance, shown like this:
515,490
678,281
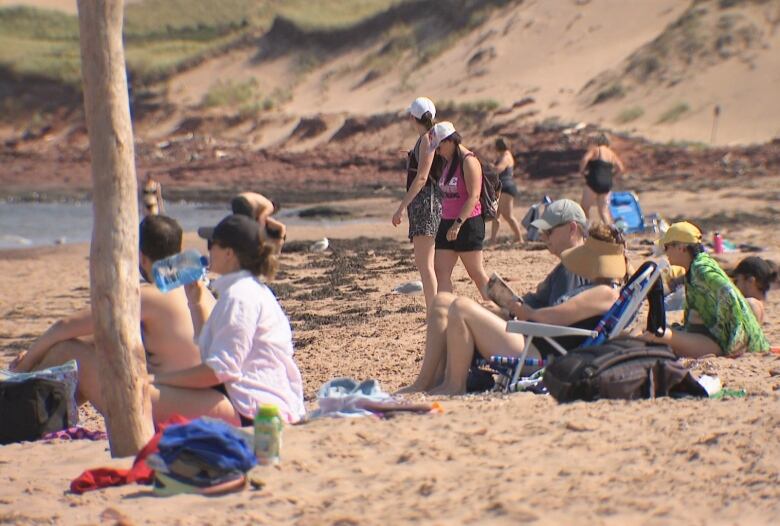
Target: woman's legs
602,203
476,270
432,368
495,224
88,389
470,325
423,258
588,199
166,401
693,345
505,209
443,263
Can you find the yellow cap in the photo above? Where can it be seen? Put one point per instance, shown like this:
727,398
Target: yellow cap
682,232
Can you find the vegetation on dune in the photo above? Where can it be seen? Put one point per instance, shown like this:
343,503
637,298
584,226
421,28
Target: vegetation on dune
674,113
629,115
162,36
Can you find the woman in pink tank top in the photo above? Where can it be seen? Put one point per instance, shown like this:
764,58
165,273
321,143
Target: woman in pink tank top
462,229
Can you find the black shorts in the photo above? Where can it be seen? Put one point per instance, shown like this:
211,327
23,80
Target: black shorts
245,421
470,237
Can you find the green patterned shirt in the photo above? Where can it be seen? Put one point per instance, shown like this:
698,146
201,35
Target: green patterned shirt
723,309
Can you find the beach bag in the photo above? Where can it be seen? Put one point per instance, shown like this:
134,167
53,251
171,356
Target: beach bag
31,408
624,368
491,191
533,213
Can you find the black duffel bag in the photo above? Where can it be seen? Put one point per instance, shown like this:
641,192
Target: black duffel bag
32,408
624,368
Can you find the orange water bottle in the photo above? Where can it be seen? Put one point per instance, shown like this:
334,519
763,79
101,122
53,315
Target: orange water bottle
717,243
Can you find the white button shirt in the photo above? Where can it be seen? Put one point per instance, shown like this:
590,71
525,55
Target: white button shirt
247,342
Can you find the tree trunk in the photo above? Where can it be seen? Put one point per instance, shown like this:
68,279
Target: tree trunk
113,267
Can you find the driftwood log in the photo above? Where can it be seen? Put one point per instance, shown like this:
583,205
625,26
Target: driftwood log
113,266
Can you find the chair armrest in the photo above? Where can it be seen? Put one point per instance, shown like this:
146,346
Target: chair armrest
544,330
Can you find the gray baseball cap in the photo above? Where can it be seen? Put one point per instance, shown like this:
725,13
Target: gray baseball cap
560,212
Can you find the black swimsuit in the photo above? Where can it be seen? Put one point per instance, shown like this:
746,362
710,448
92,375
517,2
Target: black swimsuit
598,175
507,179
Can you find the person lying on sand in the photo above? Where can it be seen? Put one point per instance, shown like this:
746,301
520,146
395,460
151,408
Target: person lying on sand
260,208
166,323
717,319
753,276
459,326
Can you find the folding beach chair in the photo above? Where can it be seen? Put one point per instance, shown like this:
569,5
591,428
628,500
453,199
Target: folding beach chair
644,283
625,210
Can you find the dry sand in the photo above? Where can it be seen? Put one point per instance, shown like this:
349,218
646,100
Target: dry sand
489,459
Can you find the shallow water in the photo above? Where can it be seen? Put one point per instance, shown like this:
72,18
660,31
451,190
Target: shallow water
39,224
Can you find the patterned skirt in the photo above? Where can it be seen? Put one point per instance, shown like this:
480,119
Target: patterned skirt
425,212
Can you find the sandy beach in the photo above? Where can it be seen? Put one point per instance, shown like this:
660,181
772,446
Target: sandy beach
489,459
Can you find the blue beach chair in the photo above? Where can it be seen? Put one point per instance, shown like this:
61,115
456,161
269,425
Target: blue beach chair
644,283
626,211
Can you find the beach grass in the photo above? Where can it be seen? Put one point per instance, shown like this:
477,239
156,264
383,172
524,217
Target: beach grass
674,113
161,36
629,115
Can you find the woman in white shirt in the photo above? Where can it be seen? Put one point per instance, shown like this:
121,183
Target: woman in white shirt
246,343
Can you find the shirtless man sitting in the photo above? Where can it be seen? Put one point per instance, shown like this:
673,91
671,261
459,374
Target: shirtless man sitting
260,208
166,322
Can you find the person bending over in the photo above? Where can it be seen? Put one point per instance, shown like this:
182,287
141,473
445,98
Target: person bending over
716,319
754,276
166,322
259,207
562,227
245,344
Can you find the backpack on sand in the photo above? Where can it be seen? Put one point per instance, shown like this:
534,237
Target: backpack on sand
32,408
624,368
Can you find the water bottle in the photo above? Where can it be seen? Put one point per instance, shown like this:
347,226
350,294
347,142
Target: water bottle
268,435
179,269
546,200
717,243
621,225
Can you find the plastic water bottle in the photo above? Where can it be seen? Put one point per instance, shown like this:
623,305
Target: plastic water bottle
268,435
179,269
717,243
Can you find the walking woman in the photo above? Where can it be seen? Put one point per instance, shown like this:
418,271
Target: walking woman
462,228
422,199
599,165
505,165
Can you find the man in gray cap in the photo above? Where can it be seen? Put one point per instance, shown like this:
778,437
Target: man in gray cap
562,226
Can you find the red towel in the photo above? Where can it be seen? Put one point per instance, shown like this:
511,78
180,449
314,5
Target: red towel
140,473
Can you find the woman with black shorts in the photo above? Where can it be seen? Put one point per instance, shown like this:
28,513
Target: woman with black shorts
422,200
599,165
462,229
505,166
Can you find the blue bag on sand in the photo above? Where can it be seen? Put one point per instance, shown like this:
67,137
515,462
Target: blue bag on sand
212,442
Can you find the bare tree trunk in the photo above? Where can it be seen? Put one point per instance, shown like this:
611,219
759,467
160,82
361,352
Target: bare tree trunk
113,268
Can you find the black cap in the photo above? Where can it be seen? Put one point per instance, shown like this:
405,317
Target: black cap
236,231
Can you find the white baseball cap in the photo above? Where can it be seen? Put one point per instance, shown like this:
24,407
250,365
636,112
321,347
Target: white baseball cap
420,106
439,132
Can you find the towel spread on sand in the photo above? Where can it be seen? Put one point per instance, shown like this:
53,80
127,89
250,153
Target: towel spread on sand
346,398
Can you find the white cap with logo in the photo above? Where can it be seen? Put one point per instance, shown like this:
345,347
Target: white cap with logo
420,106
439,132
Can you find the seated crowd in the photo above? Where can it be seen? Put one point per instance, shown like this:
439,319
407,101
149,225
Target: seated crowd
225,357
